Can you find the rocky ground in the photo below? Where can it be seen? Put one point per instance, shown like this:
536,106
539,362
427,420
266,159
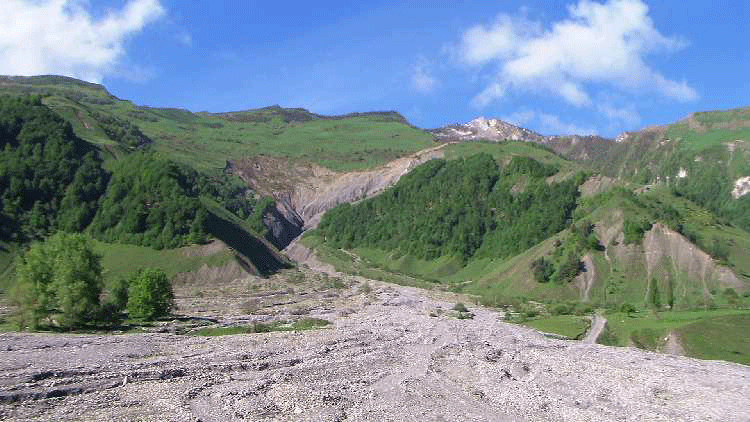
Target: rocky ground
391,353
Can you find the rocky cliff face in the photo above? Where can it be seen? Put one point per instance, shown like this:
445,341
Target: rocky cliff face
305,191
665,248
681,270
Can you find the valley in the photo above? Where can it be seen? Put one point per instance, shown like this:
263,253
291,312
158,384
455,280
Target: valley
389,352
357,267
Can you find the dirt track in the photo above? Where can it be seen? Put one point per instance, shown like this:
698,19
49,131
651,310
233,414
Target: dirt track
598,323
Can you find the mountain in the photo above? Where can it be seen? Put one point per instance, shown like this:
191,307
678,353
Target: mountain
658,218
485,129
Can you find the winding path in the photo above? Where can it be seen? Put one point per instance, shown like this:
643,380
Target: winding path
598,323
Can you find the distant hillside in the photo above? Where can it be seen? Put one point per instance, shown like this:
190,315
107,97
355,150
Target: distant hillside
52,180
205,141
687,183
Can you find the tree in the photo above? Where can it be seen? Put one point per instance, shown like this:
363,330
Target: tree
542,269
59,281
150,295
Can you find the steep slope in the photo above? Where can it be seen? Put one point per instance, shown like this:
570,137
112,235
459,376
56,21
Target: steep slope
304,191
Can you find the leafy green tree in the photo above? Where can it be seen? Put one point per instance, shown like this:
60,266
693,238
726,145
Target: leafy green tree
49,178
655,298
542,269
59,282
150,295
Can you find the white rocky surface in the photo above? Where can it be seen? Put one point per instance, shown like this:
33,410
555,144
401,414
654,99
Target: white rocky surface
741,187
384,358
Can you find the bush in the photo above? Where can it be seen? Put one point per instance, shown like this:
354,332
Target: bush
117,294
634,231
59,280
583,309
150,295
627,308
542,269
460,307
563,309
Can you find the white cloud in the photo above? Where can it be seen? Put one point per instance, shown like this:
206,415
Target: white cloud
61,36
421,77
520,118
598,45
490,94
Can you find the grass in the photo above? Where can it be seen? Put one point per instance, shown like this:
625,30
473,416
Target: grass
708,334
206,141
346,263
343,145
7,267
504,151
723,338
571,326
120,260
299,325
699,140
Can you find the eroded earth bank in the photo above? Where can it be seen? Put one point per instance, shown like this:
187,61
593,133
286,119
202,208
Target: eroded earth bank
391,353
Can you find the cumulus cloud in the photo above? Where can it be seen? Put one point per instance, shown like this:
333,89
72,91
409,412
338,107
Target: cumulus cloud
62,37
421,76
598,45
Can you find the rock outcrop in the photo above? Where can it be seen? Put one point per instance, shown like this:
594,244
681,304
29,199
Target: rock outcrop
305,191
666,248
486,129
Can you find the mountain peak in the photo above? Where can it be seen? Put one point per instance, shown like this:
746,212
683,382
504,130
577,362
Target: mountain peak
483,128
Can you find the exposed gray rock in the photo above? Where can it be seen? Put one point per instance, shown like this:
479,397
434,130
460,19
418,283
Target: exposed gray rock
389,360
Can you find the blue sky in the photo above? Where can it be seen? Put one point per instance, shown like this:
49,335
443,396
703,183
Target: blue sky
552,66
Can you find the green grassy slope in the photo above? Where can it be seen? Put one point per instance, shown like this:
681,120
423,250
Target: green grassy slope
503,152
205,141
254,252
712,334
120,261
7,272
705,129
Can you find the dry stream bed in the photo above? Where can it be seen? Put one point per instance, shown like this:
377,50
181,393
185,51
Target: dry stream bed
390,353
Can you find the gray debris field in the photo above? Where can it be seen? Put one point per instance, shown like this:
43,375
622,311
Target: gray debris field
383,358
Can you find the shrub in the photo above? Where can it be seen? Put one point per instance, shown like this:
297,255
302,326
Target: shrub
460,307
542,269
583,309
634,231
628,308
118,294
150,295
563,309
59,280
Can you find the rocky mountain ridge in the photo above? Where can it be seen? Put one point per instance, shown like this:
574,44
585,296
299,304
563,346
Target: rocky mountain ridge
486,129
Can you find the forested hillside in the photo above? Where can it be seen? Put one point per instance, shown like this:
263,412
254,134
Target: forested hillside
49,178
466,208
52,180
